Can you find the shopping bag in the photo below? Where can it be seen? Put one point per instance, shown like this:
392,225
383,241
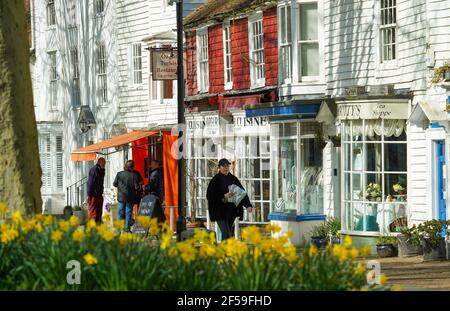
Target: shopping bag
239,194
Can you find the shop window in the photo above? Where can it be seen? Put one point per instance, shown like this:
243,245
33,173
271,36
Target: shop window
253,170
297,189
375,175
201,167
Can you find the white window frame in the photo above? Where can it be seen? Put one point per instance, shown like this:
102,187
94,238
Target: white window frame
285,43
319,41
71,12
53,79
101,74
51,13
391,8
364,172
256,81
226,30
380,65
53,170
136,74
75,89
99,4
202,62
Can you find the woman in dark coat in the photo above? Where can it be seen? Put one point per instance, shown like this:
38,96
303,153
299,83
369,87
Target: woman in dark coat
220,210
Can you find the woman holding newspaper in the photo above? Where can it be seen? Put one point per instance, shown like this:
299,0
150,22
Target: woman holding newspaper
226,199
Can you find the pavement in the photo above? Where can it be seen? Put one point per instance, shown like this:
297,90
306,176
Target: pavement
412,273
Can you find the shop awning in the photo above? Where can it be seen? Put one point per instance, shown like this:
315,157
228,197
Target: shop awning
432,112
302,111
89,153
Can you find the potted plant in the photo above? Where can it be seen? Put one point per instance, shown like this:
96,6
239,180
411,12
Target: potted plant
409,242
441,73
387,246
373,192
319,235
433,243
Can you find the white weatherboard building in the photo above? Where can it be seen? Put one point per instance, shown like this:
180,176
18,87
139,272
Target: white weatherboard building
90,62
74,70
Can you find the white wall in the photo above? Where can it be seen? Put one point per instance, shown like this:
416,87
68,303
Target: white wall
352,46
59,38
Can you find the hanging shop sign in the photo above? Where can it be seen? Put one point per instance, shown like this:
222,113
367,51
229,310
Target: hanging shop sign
372,110
164,64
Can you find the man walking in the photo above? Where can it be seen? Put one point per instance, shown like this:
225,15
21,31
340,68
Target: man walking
95,190
156,180
127,183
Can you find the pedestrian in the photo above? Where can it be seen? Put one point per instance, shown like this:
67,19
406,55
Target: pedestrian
95,190
140,194
156,179
127,183
220,209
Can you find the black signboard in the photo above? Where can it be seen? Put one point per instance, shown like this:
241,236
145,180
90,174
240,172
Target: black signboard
145,209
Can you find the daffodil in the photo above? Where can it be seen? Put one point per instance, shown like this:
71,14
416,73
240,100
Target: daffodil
312,250
9,235
27,226
200,235
256,253
107,235
91,224
382,279
207,250
48,220
365,250
343,256
154,227
57,235
172,252
17,217
125,238
166,240
272,228
354,252
290,253
187,251
300,264
347,241
73,220
251,234
78,235
3,208
64,225
396,288
120,224
90,259
360,269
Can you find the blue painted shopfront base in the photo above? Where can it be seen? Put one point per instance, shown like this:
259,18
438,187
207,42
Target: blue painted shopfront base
301,225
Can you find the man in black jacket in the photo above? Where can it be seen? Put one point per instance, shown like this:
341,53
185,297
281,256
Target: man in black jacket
95,190
220,210
156,179
127,183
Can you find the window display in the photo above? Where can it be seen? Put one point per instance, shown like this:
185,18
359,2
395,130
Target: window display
374,175
297,189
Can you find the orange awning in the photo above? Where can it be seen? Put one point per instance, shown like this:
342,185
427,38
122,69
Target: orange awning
89,153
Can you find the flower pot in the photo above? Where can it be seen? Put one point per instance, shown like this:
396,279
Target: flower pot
406,248
335,241
433,252
387,250
318,241
447,249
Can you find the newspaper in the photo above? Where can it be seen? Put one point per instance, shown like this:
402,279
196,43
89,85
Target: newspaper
239,194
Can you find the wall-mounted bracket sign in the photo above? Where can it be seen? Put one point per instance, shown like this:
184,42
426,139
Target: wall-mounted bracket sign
164,64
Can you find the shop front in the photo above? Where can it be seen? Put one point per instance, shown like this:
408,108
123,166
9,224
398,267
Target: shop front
297,172
374,171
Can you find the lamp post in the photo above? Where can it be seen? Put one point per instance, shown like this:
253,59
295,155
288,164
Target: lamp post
181,222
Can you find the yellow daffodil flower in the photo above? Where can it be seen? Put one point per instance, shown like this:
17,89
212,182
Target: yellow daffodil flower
57,235
73,220
382,279
396,288
365,251
360,269
272,228
64,225
17,217
347,241
91,224
78,235
120,224
48,220
354,252
90,259
312,250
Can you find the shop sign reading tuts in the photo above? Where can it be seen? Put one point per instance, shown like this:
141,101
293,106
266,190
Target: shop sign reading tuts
372,110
